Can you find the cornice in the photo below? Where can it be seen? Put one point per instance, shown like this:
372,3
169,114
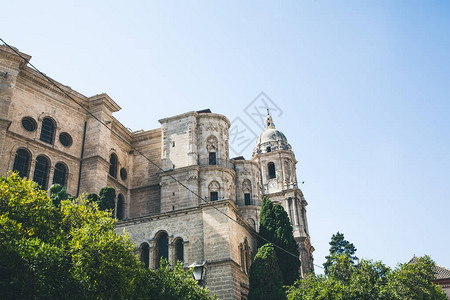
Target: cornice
178,171
140,136
104,99
287,152
245,161
177,117
214,116
218,168
29,75
11,55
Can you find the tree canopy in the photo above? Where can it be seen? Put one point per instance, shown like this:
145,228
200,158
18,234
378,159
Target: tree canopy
339,245
68,249
276,228
266,282
368,279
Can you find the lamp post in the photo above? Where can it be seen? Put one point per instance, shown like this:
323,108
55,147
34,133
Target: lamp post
199,271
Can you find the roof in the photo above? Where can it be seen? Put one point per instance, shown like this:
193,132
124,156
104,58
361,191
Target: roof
442,273
204,111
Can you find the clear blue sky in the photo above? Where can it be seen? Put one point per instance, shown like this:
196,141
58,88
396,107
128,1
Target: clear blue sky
364,87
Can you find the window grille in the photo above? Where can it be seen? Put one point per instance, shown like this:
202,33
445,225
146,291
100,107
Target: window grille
22,162
47,131
41,171
113,165
60,175
271,168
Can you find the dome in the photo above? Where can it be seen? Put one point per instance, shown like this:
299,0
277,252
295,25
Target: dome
271,135
271,139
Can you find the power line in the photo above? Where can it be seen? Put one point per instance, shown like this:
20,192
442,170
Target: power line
137,151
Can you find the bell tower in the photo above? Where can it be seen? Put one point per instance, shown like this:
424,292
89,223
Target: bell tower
277,162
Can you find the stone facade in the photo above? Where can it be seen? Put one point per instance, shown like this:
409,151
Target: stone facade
180,196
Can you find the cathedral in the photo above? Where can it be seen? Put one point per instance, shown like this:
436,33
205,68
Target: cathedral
179,194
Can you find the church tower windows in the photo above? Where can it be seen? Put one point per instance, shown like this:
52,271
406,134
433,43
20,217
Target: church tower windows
212,146
162,247
41,171
48,130
113,162
247,190
144,254
213,189
22,162
60,174
179,249
212,158
271,170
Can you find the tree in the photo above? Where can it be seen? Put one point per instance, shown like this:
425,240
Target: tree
92,197
414,280
276,228
58,193
70,251
339,246
265,277
368,279
173,283
371,280
107,198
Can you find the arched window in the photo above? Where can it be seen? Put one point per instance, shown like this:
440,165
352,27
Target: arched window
113,162
247,189
144,254
179,249
120,207
212,145
60,175
271,169
213,189
48,130
41,171
269,149
162,248
22,162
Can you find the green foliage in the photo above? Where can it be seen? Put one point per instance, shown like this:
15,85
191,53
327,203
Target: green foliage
276,227
70,251
107,198
368,280
371,280
58,193
414,281
92,197
173,283
339,246
265,277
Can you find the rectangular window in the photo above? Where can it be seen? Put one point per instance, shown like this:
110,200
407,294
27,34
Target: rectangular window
212,158
247,199
214,196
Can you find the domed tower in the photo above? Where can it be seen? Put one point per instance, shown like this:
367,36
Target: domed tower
277,162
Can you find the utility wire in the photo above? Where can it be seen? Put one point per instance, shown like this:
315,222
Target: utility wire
135,149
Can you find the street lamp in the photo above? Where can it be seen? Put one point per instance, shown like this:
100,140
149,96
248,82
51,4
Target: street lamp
199,271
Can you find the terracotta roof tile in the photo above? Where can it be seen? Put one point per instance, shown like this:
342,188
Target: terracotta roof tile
442,273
